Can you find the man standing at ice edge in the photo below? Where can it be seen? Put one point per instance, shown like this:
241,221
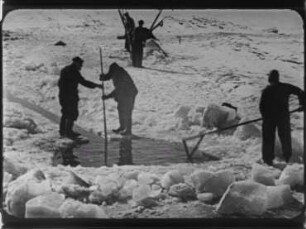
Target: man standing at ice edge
124,94
70,78
274,108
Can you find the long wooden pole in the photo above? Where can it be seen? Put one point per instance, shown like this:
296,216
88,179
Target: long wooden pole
157,16
159,23
104,112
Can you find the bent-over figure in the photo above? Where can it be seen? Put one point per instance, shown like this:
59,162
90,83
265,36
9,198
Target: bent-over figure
124,94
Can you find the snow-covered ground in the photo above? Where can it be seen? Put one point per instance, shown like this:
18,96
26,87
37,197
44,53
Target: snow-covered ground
214,57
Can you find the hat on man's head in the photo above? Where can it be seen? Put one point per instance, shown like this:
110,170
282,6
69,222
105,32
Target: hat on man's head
77,59
273,76
140,22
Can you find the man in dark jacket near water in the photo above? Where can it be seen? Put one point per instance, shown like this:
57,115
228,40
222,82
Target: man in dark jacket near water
124,94
70,78
141,34
274,108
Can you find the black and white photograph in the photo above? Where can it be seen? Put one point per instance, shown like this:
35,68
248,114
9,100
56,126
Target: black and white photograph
153,114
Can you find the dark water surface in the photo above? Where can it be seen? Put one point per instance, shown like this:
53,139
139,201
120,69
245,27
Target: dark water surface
127,151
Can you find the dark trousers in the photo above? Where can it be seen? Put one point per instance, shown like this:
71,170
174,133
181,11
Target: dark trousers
66,126
137,54
69,115
125,110
269,127
127,45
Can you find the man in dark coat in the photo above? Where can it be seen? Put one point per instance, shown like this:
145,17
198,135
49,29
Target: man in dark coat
129,30
141,34
274,108
124,94
70,78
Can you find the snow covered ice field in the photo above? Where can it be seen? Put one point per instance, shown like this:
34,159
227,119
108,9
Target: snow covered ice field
214,57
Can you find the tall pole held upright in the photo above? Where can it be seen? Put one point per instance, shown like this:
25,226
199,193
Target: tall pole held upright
104,112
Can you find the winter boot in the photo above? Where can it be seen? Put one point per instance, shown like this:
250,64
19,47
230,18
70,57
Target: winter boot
118,130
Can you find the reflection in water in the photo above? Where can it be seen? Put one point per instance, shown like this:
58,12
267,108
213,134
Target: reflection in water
125,151
65,158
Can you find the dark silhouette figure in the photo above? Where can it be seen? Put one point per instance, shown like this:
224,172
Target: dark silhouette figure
274,108
141,34
124,94
129,30
70,78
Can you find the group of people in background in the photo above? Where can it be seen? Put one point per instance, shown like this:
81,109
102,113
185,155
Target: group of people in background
135,38
273,106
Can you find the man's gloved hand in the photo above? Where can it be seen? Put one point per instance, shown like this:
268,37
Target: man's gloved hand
101,76
99,86
104,97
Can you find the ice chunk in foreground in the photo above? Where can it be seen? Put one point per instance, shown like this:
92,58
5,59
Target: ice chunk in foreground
205,197
199,178
170,178
77,180
215,183
278,196
147,178
142,195
293,175
24,188
75,209
13,167
244,198
127,191
45,206
220,182
262,175
76,191
183,191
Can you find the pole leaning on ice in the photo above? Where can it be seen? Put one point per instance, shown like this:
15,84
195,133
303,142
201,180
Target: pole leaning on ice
202,134
104,113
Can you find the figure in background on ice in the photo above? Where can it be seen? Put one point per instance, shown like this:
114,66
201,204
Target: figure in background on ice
130,26
70,78
141,34
274,108
124,94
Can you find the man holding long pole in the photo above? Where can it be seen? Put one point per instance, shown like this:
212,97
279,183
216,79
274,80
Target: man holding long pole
274,108
124,94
